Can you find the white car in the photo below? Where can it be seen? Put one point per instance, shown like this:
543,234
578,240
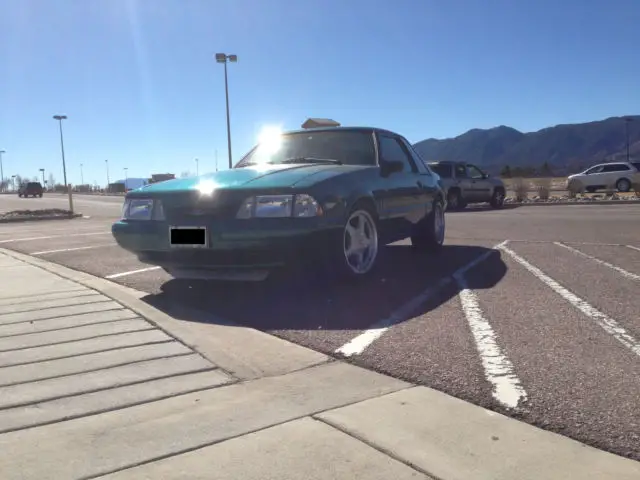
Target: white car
619,175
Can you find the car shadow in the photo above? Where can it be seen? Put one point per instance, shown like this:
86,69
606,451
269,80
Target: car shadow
304,302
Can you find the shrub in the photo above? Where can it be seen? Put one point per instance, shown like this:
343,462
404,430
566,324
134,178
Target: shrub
520,188
544,188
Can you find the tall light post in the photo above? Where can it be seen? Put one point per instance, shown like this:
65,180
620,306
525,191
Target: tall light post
197,168
106,162
224,58
81,176
216,159
126,177
1,172
42,171
627,121
59,118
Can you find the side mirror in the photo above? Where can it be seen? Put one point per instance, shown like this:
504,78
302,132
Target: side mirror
391,166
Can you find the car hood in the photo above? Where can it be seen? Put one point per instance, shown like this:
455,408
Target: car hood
258,177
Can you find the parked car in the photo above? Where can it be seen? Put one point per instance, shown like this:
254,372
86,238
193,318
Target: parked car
465,183
334,195
31,189
619,175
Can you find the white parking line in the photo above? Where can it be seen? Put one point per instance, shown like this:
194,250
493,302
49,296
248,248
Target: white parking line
607,323
498,369
132,272
28,239
45,252
359,344
620,270
632,247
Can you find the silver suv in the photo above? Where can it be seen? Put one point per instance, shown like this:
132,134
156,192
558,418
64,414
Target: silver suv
619,175
465,183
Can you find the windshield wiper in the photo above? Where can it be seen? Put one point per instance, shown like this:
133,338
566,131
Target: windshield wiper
311,160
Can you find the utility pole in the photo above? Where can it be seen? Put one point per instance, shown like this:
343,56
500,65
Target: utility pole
1,172
224,58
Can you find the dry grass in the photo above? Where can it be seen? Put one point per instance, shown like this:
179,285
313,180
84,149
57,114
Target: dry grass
544,188
554,183
520,188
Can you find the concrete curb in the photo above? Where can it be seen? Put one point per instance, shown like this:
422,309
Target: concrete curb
594,202
39,218
244,352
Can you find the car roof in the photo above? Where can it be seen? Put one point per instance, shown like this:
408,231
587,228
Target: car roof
447,162
343,129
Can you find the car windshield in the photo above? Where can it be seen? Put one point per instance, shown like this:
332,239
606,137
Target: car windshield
347,147
443,170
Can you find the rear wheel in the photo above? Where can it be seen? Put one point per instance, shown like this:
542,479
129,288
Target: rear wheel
430,232
455,200
623,185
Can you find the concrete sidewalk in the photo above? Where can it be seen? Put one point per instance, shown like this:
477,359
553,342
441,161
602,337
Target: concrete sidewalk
94,382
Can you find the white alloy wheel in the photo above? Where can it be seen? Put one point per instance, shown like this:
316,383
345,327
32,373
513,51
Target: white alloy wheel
360,242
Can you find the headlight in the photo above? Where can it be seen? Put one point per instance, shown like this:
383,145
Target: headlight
279,206
142,209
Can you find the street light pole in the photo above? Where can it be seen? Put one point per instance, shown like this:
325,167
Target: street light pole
1,172
81,176
627,121
126,177
197,169
216,159
64,165
224,58
107,164
42,171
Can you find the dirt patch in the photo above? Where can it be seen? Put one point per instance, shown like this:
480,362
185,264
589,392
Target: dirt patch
41,214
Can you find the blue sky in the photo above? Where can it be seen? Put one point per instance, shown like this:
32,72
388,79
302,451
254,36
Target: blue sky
139,84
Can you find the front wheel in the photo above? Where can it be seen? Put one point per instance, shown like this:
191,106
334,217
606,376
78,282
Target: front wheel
497,199
430,232
354,253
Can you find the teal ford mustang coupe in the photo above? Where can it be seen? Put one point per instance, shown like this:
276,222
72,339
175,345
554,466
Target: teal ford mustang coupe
330,196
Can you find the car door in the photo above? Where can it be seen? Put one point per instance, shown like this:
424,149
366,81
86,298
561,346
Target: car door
480,185
404,203
593,177
426,180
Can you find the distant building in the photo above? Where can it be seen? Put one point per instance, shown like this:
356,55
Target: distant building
161,177
319,122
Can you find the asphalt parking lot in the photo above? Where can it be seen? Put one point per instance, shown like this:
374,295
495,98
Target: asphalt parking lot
531,311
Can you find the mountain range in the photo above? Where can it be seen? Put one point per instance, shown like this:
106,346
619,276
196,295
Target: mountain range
565,148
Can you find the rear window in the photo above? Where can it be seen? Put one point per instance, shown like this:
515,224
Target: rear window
443,170
33,184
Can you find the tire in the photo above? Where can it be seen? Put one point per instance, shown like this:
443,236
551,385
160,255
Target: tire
575,187
455,200
431,231
623,185
497,199
40,195
359,236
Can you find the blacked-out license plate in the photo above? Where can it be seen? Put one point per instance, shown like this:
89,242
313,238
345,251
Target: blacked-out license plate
193,237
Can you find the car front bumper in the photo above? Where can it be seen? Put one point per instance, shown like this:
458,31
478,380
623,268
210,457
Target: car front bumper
237,244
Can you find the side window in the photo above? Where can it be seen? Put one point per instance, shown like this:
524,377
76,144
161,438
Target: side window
593,170
423,168
391,150
461,171
615,167
475,172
